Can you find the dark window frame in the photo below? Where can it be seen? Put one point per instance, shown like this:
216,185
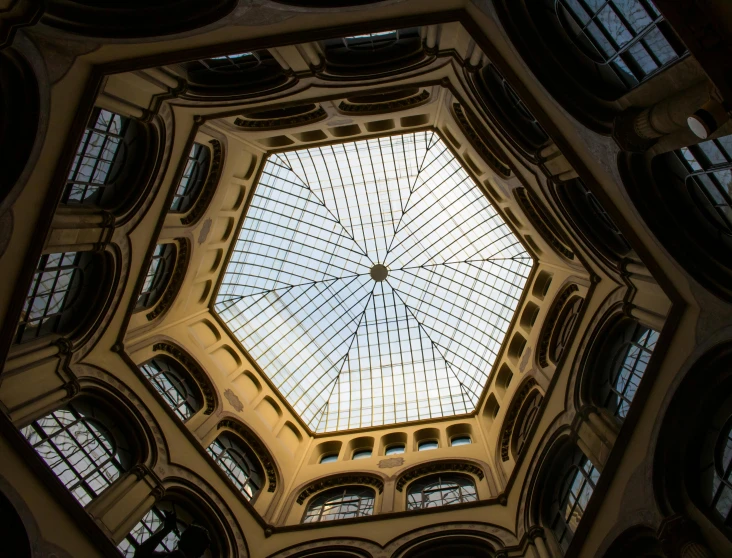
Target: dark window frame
194,177
181,393
235,458
442,485
342,499
158,275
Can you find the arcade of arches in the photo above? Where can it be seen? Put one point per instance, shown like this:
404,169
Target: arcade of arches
360,278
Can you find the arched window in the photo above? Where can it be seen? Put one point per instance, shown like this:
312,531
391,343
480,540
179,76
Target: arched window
707,174
440,490
630,37
571,496
464,440
158,275
343,502
630,360
395,449
239,71
83,445
361,454
103,166
371,53
194,176
721,500
153,523
428,445
562,335
592,219
175,385
238,463
507,107
329,458
54,300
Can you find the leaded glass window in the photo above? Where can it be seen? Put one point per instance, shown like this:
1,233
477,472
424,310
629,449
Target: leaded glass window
157,276
174,386
440,490
100,153
373,282
153,521
78,445
53,292
722,480
341,503
231,63
709,181
237,463
572,498
373,41
629,36
194,175
630,362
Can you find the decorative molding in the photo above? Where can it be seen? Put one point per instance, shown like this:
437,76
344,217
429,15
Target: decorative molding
387,106
551,322
391,462
508,424
174,283
445,467
330,482
201,378
463,118
233,400
257,447
286,122
538,220
209,187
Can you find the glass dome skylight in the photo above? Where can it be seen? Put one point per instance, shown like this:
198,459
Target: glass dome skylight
373,282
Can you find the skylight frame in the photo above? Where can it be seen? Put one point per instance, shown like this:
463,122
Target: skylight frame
498,344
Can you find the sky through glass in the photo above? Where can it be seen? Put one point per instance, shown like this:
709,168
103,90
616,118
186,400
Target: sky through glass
348,343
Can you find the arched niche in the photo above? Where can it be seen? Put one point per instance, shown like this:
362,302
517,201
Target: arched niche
20,103
692,462
462,545
519,420
370,54
118,19
587,73
68,293
683,197
557,329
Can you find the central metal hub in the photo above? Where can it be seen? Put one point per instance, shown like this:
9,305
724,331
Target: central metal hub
379,272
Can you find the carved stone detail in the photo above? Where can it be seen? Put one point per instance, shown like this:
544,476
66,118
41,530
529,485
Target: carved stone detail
257,447
209,187
391,462
195,370
387,106
234,400
551,322
176,280
463,118
286,122
445,467
343,480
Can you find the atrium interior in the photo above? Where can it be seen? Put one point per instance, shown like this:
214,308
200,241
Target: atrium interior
366,279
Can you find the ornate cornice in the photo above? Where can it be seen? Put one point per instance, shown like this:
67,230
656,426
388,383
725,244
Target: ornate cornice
444,467
538,220
199,376
286,122
209,187
512,415
551,322
342,480
174,283
257,447
477,141
387,106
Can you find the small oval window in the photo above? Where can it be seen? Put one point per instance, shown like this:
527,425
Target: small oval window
428,445
396,449
329,458
461,441
362,454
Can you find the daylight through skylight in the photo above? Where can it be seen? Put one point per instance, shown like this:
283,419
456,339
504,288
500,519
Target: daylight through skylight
373,282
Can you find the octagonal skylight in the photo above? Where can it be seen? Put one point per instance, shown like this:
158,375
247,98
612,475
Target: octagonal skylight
373,282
